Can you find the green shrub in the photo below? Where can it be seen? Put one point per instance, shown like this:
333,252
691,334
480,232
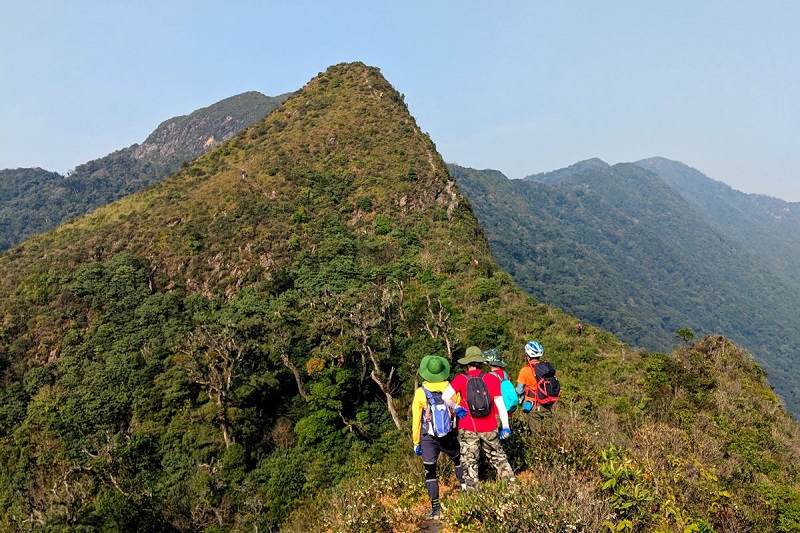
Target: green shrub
625,485
785,503
382,225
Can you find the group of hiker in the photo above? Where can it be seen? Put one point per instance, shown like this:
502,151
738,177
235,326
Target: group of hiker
470,414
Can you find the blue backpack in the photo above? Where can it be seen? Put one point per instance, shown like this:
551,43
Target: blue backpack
438,421
510,398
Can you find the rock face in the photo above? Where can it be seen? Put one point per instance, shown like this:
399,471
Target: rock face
187,137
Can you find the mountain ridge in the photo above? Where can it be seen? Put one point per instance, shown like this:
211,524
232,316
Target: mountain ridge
32,201
187,324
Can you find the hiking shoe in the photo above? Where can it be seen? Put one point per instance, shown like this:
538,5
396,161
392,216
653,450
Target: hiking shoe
435,514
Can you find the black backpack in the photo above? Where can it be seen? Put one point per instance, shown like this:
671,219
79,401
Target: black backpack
478,399
548,388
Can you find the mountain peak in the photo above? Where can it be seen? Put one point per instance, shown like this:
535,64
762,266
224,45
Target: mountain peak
557,176
343,112
590,164
185,137
343,147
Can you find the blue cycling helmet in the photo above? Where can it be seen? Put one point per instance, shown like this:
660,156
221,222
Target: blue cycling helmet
534,350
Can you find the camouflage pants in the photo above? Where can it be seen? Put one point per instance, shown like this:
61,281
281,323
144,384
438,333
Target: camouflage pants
471,445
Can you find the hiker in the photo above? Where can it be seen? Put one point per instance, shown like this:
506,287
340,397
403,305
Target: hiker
507,389
481,403
579,327
433,427
536,396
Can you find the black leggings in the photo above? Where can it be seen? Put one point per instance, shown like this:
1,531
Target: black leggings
431,448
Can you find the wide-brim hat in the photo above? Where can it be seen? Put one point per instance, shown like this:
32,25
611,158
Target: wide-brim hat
473,355
434,368
493,358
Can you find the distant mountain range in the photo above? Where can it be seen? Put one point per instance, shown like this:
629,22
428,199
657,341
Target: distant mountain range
645,249
33,200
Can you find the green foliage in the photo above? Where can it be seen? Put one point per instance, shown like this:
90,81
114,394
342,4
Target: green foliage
786,505
685,334
318,430
279,479
382,225
625,484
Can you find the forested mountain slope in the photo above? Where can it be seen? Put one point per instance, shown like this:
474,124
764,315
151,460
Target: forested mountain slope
219,353
767,227
33,200
620,248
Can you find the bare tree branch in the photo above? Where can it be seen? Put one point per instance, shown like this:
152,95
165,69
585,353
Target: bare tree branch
439,325
401,311
211,360
294,371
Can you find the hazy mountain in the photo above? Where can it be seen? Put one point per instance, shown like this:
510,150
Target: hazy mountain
219,353
24,209
767,227
622,249
34,200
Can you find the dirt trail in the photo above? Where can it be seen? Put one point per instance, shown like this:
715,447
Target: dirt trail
430,526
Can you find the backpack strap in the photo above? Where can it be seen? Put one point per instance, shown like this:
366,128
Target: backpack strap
475,377
504,377
531,393
426,413
474,424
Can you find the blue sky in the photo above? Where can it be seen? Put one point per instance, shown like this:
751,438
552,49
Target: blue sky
518,86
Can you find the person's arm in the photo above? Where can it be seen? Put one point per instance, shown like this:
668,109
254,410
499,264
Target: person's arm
417,406
501,410
447,397
521,383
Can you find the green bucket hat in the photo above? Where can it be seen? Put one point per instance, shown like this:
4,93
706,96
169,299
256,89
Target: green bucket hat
494,358
434,368
473,355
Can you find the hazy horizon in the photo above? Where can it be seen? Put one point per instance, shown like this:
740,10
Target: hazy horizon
526,89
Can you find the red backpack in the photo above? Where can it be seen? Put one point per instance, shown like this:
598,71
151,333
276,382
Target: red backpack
548,388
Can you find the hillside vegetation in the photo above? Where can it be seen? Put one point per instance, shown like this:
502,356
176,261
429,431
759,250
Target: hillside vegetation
621,248
226,354
33,200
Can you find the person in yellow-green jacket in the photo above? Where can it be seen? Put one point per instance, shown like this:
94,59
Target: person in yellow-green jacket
433,426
